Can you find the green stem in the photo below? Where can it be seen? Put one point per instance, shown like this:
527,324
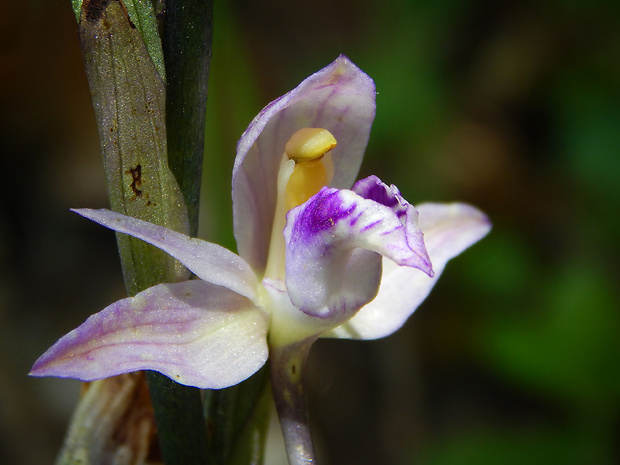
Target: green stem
288,373
180,425
238,421
187,40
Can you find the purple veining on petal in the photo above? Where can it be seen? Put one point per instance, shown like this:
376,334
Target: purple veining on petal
372,225
374,189
325,210
392,231
194,332
353,221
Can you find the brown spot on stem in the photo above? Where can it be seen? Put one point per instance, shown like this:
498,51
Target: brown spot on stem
136,182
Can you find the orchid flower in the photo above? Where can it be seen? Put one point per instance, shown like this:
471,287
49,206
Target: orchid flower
317,258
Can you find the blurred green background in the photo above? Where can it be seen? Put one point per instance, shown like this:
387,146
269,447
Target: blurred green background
511,106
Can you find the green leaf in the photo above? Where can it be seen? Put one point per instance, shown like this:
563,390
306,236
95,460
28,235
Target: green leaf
142,14
129,100
143,17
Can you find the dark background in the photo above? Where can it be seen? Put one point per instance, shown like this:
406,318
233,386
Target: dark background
511,106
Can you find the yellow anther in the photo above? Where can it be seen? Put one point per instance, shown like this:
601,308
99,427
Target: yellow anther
309,144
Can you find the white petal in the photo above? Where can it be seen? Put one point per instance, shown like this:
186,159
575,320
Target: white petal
210,262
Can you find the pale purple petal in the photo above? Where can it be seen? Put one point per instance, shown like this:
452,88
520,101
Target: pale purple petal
194,332
339,98
334,244
448,229
210,262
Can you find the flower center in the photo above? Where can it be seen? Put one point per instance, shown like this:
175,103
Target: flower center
306,167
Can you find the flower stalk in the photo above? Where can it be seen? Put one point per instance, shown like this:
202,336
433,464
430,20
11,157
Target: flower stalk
288,378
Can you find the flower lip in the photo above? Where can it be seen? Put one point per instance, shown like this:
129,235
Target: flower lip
334,244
